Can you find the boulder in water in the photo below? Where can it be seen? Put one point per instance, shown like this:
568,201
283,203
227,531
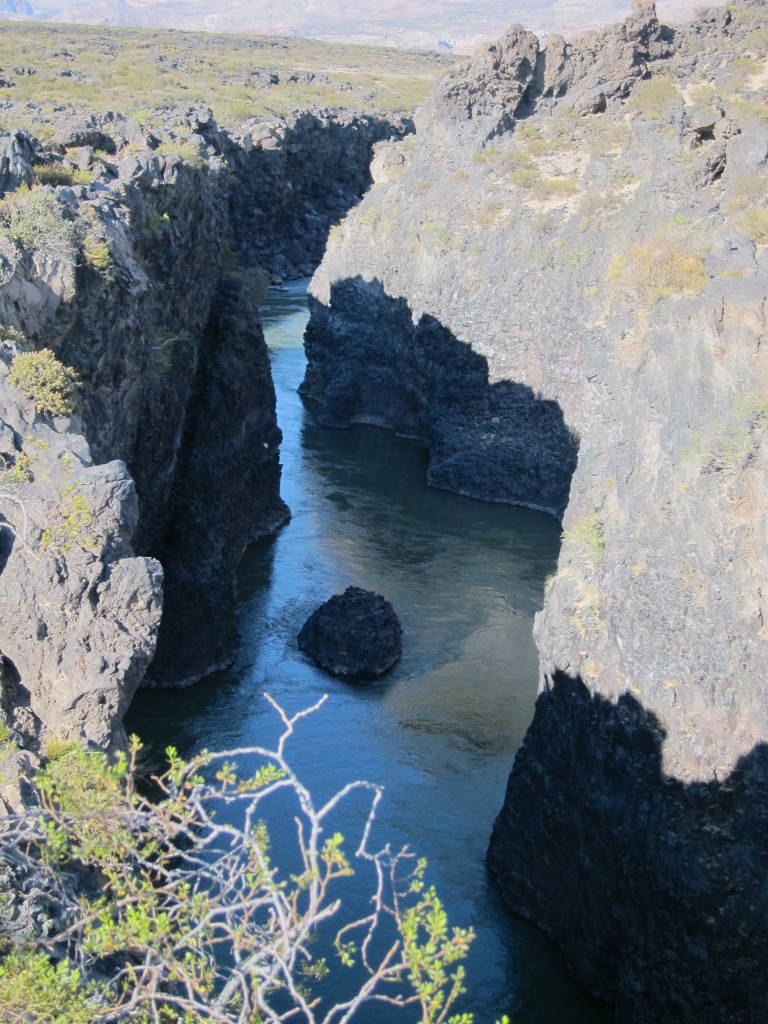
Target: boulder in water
355,635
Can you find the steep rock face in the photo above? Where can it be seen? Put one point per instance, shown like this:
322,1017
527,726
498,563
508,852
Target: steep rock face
145,280
370,362
655,889
122,287
80,611
295,177
586,221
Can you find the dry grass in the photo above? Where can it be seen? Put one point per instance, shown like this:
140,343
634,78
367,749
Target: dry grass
141,70
747,203
660,269
654,97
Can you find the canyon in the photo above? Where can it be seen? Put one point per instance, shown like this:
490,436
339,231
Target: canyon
557,284
559,287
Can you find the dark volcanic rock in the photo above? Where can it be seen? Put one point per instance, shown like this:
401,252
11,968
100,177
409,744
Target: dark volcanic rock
130,279
17,153
568,258
681,916
355,635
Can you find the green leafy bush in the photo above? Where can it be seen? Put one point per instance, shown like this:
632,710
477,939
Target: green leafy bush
34,990
48,382
194,922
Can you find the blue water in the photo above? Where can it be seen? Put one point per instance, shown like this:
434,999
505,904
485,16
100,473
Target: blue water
440,732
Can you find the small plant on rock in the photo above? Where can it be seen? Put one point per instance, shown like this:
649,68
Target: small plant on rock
48,382
589,532
97,254
13,336
69,524
654,97
36,222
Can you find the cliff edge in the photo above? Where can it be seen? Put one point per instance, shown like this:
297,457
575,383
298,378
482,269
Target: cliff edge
138,253
560,287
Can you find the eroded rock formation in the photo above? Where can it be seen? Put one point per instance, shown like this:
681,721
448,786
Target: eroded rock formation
142,264
584,224
80,611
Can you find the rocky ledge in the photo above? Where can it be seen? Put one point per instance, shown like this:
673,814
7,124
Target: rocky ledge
139,255
560,287
80,610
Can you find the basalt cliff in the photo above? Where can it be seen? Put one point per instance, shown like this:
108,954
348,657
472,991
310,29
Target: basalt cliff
559,286
139,256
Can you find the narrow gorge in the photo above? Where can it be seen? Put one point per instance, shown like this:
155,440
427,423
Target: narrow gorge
555,280
147,281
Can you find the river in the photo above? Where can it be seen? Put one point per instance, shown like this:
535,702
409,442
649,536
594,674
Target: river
440,732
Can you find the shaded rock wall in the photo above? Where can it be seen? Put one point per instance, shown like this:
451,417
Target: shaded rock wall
667,917
368,361
586,217
146,281
297,176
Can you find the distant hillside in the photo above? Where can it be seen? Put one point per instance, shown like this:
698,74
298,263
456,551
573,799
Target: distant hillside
431,24
45,68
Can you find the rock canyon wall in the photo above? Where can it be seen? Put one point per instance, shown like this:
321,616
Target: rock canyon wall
560,287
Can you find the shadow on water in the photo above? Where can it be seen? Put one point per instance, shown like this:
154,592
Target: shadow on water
440,731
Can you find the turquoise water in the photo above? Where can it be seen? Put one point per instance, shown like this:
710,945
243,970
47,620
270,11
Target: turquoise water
441,730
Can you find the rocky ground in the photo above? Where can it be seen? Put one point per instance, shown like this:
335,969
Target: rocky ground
560,287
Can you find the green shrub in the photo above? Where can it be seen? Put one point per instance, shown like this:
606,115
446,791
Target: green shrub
96,253
18,472
439,237
33,989
13,335
35,221
525,178
186,149
589,532
180,882
69,523
48,382
54,174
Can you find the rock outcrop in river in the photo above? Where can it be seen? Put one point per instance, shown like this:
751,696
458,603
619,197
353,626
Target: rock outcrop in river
355,635
560,287
140,258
